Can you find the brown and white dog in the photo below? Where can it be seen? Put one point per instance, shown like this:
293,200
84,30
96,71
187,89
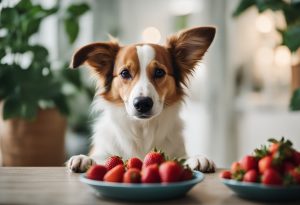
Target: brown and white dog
140,91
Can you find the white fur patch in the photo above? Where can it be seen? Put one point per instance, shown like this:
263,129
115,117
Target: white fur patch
145,55
143,86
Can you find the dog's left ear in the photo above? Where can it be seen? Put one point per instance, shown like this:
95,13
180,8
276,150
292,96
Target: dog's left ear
187,48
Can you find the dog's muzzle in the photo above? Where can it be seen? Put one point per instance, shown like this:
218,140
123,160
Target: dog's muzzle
143,106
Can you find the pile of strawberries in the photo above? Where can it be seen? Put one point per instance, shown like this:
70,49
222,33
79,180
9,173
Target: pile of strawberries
277,164
155,168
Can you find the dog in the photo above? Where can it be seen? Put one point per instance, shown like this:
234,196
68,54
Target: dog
140,89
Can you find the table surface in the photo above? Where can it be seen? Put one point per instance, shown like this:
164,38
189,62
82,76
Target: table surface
56,185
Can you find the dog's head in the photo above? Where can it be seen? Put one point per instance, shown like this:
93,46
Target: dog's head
145,77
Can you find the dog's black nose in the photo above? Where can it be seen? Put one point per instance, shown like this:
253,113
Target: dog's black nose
143,104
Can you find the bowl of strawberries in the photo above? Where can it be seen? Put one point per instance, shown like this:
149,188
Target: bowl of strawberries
154,178
272,173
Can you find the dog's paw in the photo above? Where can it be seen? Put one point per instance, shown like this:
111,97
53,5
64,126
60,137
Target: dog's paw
201,163
80,163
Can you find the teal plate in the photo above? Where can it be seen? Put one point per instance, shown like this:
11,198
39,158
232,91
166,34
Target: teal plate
260,192
143,192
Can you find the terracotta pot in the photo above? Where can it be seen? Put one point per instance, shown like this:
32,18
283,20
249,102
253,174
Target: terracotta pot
33,143
295,76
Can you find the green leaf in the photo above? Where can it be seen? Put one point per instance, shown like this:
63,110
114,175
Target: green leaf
291,38
24,5
291,13
243,6
62,105
295,101
12,107
72,29
239,175
40,52
78,9
7,83
274,5
29,110
30,27
73,76
2,52
262,152
272,140
9,18
261,5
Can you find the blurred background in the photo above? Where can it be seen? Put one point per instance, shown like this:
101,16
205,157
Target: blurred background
245,91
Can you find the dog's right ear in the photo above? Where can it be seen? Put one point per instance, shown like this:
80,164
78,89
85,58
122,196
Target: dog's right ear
99,56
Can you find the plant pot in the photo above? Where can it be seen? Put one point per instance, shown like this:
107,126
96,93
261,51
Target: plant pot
33,143
295,76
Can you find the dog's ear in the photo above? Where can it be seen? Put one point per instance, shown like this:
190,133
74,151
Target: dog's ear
99,56
187,48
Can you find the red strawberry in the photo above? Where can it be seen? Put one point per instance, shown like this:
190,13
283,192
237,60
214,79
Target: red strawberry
271,177
150,174
132,175
96,172
134,162
115,174
287,167
251,176
248,163
225,175
274,147
295,173
296,158
113,161
153,158
170,171
187,174
236,166
264,164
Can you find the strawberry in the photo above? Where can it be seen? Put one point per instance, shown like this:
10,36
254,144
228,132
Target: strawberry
96,172
187,174
273,147
296,158
251,176
295,173
264,164
280,150
238,175
153,158
113,161
248,163
134,162
236,166
150,174
170,171
271,177
225,175
287,167
115,174
132,175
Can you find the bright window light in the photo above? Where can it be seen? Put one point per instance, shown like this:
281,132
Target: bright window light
151,35
264,23
185,7
282,56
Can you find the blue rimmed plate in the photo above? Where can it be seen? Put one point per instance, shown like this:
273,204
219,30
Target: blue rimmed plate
260,192
143,192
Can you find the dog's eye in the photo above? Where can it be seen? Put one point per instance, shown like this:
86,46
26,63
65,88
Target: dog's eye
159,73
125,74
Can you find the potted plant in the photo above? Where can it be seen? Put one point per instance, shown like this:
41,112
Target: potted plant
290,35
33,103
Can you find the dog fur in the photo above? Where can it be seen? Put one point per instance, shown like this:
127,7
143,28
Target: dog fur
122,130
